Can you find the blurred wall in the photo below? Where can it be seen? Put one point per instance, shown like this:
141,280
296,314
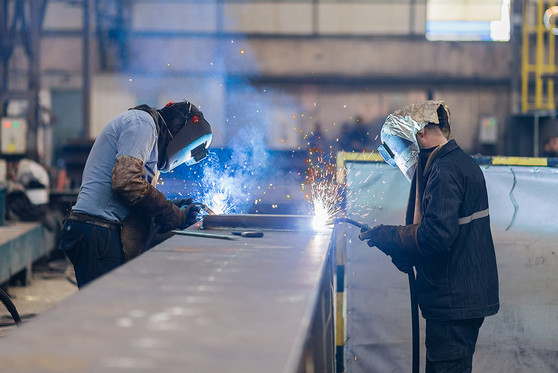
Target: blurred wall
286,64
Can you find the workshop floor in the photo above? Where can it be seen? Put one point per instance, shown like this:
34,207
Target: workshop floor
51,282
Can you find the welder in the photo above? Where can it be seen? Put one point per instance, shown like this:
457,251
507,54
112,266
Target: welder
118,202
447,237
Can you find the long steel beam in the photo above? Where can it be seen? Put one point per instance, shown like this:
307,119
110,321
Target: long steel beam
194,304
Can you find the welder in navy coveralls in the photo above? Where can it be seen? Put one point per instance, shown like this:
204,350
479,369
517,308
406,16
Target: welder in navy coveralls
447,237
118,201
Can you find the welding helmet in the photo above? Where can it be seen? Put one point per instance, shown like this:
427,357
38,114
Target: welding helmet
189,135
399,146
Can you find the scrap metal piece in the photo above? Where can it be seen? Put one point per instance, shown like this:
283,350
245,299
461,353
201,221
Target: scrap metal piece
248,233
257,222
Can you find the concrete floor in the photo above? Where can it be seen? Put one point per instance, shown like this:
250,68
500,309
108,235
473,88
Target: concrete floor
51,282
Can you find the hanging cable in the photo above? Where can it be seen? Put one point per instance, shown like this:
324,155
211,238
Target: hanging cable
414,321
515,205
414,303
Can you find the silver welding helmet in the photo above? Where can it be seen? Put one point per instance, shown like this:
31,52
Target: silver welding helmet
398,135
399,146
189,145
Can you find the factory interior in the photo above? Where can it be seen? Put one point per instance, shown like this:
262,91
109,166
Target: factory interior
262,268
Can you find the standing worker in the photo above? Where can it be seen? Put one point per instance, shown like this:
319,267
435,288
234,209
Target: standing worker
447,235
117,200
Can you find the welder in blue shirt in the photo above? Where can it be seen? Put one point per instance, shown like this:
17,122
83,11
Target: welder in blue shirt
447,236
118,201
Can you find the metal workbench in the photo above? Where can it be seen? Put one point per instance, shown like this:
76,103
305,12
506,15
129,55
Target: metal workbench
21,244
193,304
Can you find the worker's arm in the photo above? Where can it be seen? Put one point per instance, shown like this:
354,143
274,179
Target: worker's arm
437,230
128,183
135,145
439,227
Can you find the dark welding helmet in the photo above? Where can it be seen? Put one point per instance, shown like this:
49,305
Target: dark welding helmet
189,144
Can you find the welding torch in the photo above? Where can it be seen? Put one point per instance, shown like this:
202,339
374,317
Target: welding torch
204,207
183,202
357,224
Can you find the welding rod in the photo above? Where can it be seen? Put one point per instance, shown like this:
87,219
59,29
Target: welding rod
203,234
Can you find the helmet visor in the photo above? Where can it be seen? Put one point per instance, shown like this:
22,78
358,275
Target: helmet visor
399,147
189,145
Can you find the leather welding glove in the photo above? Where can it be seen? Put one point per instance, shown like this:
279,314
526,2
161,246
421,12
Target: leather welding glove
398,242
142,197
180,202
382,236
191,212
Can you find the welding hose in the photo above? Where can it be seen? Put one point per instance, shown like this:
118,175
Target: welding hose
414,304
5,298
350,221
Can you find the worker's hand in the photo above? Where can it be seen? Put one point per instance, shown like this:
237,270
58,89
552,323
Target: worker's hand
190,212
381,236
387,238
180,202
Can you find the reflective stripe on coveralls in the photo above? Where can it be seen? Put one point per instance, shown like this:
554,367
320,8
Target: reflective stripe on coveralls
476,215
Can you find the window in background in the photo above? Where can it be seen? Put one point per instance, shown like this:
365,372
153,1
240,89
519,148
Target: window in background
484,20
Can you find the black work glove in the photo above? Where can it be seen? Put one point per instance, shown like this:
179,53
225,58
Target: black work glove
387,238
381,236
190,211
403,264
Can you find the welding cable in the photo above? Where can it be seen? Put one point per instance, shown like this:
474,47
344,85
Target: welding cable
515,205
414,303
350,221
414,320
5,298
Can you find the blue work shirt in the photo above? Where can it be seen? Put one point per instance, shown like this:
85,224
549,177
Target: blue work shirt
131,133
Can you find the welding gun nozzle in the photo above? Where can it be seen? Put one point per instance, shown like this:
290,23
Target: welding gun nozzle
205,208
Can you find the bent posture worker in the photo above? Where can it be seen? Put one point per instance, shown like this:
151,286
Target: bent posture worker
117,199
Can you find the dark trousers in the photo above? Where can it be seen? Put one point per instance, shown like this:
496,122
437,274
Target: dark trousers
450,345
93,250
